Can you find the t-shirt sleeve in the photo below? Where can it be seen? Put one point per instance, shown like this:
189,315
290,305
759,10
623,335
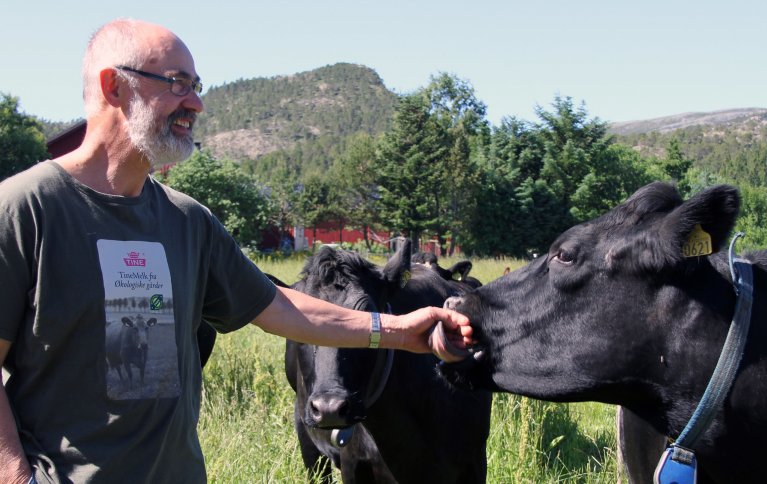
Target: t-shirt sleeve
236,290
16,262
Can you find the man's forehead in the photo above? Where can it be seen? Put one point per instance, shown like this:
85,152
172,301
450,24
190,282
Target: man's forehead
169,55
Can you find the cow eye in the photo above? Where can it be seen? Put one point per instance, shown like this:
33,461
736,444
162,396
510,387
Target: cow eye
565,257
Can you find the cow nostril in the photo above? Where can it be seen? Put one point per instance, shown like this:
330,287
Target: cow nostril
314,410
329,411
343,409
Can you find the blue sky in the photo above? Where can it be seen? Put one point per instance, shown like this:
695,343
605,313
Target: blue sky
625,60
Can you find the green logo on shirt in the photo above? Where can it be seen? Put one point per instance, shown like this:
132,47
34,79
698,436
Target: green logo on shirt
155,302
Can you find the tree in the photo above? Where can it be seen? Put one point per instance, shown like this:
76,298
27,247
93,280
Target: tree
460,117
516,146
233,196
538,179
753,216
283,192
355,174
573,144
613,176
318,201
428,177
676,166
408,159
22,143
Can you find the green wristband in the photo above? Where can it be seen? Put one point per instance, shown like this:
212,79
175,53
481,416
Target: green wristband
375,330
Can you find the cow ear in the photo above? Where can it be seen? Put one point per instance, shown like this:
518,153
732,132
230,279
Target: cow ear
712,211
460,270
127,321
151,322
398,267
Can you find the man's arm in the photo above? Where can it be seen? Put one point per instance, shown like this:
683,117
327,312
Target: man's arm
303,318
14,467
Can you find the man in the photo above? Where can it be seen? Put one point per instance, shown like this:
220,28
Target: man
95,255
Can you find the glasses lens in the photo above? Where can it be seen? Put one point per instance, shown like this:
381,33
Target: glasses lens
180,87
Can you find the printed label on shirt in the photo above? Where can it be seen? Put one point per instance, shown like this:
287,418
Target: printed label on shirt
140,342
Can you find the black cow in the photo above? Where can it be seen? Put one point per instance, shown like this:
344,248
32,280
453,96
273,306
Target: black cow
408,425
616,313
127,344
458,272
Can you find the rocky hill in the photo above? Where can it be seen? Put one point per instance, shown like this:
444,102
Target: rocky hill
725,118
721,142
248,118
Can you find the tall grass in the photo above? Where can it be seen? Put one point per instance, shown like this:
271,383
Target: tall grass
246,422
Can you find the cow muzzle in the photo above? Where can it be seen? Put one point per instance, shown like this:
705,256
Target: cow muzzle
328,411
441,345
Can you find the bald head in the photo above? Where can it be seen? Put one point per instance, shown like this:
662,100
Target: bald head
127,42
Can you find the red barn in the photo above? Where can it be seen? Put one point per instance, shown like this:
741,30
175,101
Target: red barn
331,233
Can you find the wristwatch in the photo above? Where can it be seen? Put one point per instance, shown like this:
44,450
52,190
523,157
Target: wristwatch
375,330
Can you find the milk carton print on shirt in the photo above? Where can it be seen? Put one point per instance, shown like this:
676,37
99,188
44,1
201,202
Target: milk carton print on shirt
140,333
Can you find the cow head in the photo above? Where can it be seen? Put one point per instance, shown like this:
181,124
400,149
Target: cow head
612,305
337,385
140,328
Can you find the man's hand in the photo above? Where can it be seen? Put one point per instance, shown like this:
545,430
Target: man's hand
13,463
420,332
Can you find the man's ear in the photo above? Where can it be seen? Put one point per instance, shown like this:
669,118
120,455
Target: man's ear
111,86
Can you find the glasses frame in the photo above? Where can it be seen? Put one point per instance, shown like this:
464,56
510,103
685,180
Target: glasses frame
183,86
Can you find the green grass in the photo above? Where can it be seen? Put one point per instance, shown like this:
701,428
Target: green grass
246,422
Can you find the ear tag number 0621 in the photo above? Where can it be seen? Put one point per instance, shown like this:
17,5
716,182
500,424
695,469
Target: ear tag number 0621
698,243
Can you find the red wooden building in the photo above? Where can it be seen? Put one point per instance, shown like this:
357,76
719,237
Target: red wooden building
331,233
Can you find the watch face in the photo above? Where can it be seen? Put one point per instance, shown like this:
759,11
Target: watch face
375,330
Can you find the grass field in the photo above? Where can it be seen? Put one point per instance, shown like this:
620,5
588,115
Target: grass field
246,422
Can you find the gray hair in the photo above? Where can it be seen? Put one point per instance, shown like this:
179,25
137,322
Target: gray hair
115,43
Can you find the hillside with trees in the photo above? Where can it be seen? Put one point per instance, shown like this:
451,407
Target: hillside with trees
306,116
729,144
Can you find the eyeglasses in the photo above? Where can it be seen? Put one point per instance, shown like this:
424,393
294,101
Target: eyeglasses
179,86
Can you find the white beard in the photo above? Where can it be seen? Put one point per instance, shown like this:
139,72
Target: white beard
153,137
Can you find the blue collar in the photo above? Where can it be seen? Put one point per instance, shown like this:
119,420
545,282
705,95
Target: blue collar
726,368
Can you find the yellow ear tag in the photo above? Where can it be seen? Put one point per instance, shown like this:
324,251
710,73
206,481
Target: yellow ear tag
404,280
698,243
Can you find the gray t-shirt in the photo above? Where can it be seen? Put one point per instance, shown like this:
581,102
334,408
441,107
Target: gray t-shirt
101,296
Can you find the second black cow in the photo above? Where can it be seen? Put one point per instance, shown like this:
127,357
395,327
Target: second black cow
633,309
409,426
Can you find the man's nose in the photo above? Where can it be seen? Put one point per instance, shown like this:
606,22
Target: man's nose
193,101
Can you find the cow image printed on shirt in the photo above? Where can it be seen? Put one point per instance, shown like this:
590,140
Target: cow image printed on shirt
140,333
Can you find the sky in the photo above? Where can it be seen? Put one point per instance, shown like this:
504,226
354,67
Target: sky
623,60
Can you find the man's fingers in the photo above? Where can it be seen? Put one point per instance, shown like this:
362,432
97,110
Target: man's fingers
444,346
452,319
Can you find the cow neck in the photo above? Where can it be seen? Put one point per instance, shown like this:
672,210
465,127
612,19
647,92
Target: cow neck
384,363
380,376
726,368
